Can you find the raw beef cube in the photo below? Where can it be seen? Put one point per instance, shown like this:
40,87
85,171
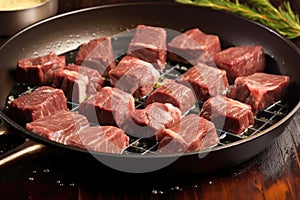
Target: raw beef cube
151,120
96,82
206,81
97,54
194,47
59,126
227,114
108,139
259,90
41,102
109,106
39,70
149,44
134,76
174,93
72,83
193,133
241,61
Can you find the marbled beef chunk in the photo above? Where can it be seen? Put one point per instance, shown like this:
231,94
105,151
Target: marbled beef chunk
96,82
149,44
59,126
174,93
134,76
97,54
39,70
72,83
108,139
241,61
227,114
259,90
41,102
193,133
206,81
151,120
109,106
194,47
78,82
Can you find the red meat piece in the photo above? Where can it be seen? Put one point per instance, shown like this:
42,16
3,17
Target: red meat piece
108,139
72,83
78,82
227,114
241,61
59,126
193,133
259,90
97,54
174,93
109,106
149,44
151,120
206,81
41,102
134,76
39,70
194,47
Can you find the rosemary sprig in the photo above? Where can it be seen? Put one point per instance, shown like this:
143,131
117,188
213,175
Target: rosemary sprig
281,19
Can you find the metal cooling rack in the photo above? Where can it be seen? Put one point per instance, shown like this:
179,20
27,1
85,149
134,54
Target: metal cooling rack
263,120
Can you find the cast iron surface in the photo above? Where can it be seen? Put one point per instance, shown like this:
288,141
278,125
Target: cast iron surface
43,37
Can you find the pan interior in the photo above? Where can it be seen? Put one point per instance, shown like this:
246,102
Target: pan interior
141,146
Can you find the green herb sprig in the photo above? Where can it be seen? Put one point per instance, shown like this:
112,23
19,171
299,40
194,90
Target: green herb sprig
281,19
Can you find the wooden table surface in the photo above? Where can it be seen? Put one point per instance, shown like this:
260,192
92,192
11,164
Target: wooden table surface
273,174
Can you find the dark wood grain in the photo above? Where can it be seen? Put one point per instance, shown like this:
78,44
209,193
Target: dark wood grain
273,174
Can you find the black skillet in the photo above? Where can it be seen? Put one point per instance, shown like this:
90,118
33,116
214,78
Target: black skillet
65,32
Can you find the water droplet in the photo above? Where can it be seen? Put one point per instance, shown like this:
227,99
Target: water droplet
34,171
177,188
31,178
161,192
195,186
94,34
210,182
72,184
46,170
154,192
77,36
35,53
58,181
61,184
70,36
